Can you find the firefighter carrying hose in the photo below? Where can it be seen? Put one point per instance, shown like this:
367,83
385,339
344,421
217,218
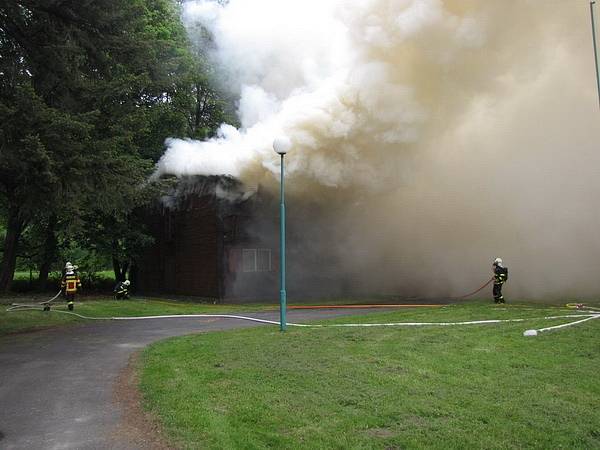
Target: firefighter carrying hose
122,290
500,277
70,283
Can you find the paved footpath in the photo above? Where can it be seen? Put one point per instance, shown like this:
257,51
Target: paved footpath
57,386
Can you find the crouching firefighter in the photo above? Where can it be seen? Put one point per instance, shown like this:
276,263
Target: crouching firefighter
122,290
70,283
500,277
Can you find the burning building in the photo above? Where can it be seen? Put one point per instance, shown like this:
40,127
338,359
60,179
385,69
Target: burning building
428,138
213,237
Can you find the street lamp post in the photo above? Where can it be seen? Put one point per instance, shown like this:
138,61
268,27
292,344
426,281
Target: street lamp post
592,3
282,145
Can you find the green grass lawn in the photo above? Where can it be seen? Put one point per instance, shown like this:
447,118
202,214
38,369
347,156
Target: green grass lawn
479,386
20,321
105,306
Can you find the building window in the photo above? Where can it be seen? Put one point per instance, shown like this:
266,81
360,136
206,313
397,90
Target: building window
263,260
256,260
249,260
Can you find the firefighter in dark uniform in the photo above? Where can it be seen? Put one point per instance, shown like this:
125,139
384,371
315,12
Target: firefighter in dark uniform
70,283
500,277
122,290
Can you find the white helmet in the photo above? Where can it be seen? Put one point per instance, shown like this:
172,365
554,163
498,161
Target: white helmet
68,266
126,282
498,262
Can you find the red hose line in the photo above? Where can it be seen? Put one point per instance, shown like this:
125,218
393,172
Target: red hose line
388,306
475,292
359,306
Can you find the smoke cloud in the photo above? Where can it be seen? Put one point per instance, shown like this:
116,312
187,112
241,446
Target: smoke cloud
429,137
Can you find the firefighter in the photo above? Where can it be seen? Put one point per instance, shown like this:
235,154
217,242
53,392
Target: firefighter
70,283
122,290
500,277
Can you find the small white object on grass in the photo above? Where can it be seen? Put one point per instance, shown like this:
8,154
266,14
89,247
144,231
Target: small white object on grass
530,333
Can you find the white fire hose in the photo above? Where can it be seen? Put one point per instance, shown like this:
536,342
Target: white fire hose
593,314
32,306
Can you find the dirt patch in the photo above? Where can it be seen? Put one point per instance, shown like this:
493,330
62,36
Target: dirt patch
138,427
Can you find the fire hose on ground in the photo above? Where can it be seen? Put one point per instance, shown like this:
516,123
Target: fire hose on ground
45,305
383,305
584,314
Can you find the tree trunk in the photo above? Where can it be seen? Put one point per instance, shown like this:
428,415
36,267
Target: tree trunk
49,252
133,276
14,228
117,269
124,268
120,269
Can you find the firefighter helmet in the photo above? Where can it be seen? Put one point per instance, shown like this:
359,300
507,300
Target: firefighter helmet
126,282
498,262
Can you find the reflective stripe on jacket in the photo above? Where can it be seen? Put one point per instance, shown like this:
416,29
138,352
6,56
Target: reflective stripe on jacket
70,283
500,275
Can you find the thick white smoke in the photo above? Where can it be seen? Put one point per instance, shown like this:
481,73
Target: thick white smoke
445,132
304,69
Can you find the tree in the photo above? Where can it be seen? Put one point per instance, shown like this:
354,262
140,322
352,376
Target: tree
33,141
72,77
89,90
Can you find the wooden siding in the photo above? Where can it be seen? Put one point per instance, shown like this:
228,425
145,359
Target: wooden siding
184,259
194,244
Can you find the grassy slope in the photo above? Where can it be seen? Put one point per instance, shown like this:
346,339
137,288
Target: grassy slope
11,322
461,387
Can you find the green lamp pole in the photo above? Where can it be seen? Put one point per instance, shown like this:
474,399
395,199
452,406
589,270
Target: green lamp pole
282,145
592,3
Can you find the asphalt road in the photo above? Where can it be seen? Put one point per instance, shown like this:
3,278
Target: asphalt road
57,387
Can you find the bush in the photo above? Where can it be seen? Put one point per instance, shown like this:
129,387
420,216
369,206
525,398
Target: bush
102,281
